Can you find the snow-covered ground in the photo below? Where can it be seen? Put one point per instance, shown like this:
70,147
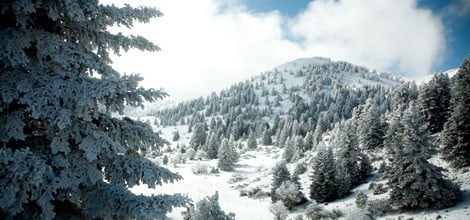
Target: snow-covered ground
253,171
252,165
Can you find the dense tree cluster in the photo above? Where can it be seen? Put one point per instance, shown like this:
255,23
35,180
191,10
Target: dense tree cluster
246,109
456,135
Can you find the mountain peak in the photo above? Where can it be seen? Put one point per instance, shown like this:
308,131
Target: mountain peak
304,62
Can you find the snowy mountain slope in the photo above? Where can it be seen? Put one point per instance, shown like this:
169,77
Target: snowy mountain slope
276,91
309,96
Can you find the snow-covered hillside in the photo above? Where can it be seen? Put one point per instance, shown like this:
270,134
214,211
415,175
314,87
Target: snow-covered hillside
306,100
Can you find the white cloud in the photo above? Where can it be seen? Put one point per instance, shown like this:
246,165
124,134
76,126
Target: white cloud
378,34
208,45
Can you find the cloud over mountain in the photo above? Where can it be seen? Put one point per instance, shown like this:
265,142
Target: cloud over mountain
217,43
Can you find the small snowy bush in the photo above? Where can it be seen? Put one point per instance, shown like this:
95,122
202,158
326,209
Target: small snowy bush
361,200
236,178
166,149
165,160
207,209
378,207
279,211
254,193
200,154
190,154
317,212
176,159
201,168
356,214
379,189
289,194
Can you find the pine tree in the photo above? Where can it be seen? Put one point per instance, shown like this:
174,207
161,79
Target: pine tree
371,130
227,156
434,101
62,154
343,178
365,166
323,187
298,143
176,135
415,182
212,147
393,139
455,138
347,159
252,144
308,142
288,153
352,166
267,140
403,95
285,132
198,138
280,174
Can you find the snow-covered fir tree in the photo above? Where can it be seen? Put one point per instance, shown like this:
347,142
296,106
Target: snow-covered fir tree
308,142
198,138
434,101
266,140
455,138
371,130
298,150
62,154
416,183
403,95
347,167
212,146
323,186
280,174
288,153
393,138
251,143
227,155
365,166
176,135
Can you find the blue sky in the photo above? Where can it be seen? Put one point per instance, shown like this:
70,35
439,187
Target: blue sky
457,25
457,30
